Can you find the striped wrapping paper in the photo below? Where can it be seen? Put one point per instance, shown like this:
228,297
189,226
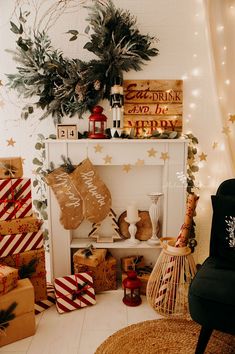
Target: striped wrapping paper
66,287
43,305
15,198
13,244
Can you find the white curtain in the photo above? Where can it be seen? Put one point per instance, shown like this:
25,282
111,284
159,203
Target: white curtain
220,15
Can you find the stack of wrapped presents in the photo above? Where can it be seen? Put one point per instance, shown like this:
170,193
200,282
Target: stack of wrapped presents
22,255
136,263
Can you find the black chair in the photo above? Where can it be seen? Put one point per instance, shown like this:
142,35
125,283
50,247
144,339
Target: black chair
212,291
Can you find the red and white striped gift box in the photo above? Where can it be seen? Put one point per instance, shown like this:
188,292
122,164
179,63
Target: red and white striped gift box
15,198
43,305
13,244
74,292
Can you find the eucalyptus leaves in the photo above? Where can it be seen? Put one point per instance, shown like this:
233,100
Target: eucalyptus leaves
67,87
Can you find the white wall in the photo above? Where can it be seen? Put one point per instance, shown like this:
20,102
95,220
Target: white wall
184,54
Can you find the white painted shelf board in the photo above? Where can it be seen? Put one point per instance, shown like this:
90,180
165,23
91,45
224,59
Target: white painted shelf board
115,141
84,242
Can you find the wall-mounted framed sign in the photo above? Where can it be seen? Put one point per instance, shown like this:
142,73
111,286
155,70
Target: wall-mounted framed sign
151,105
67,131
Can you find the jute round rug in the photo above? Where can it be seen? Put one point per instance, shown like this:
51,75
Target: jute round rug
164,336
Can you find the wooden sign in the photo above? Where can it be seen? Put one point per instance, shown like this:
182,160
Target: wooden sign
151,105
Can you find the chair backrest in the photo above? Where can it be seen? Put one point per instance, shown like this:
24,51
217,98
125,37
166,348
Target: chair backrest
222,240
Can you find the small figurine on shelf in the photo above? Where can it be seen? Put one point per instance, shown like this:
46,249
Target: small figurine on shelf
97,124
116,104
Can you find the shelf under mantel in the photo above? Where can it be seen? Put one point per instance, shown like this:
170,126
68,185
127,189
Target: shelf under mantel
84,242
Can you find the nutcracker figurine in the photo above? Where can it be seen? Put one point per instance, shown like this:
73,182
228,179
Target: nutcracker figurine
116,102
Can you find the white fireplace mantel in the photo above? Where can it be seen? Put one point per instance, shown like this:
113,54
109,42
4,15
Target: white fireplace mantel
131,169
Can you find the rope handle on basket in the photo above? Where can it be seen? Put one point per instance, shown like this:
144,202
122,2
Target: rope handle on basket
163,241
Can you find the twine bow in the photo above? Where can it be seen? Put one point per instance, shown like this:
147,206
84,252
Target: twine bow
10,170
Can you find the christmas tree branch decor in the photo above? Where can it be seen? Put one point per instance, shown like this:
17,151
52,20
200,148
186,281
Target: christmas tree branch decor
68,87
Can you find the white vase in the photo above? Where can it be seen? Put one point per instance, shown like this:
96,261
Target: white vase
154,213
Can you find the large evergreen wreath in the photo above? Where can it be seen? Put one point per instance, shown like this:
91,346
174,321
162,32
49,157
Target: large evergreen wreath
71,86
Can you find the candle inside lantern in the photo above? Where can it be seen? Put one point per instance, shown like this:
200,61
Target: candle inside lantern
132,212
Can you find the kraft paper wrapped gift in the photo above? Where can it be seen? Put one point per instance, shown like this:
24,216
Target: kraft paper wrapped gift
15,198
104,275
13,244
8,278
31,264
11,167
94,256
74,292
132,262
21,225
23,323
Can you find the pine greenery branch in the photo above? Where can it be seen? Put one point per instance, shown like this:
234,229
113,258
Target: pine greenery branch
7,315
68,87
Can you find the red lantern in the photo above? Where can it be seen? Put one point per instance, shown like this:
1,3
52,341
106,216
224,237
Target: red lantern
97,123
132,286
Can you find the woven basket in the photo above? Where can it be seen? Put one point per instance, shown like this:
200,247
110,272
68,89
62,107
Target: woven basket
167,288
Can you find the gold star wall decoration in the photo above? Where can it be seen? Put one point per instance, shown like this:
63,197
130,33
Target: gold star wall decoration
215,145
98,148
139,162
126,167
226,130
164,156
202,156
1,84
11,142
232,118
152,152
107,159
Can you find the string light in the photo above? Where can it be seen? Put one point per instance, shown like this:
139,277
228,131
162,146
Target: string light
227,82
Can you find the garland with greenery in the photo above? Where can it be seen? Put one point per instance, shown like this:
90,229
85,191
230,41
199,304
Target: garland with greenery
67,87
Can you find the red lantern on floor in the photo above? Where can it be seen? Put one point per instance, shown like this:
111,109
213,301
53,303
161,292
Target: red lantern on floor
97,123
132,286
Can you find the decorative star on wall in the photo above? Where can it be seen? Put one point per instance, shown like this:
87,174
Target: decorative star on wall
232,118
98,148
126,167
164,156
139,162
152,152
107,159
11,142
215,145
1,84
226,130
202,156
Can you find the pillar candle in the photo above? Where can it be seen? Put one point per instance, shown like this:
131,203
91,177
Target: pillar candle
132,212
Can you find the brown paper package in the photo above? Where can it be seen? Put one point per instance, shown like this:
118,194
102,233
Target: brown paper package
11,167
20,225
8,278
97,256
23,325
104,275
38,278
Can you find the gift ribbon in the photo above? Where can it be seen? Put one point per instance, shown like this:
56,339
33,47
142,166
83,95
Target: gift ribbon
16,203
80,290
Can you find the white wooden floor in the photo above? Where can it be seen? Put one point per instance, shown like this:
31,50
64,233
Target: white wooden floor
81,331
